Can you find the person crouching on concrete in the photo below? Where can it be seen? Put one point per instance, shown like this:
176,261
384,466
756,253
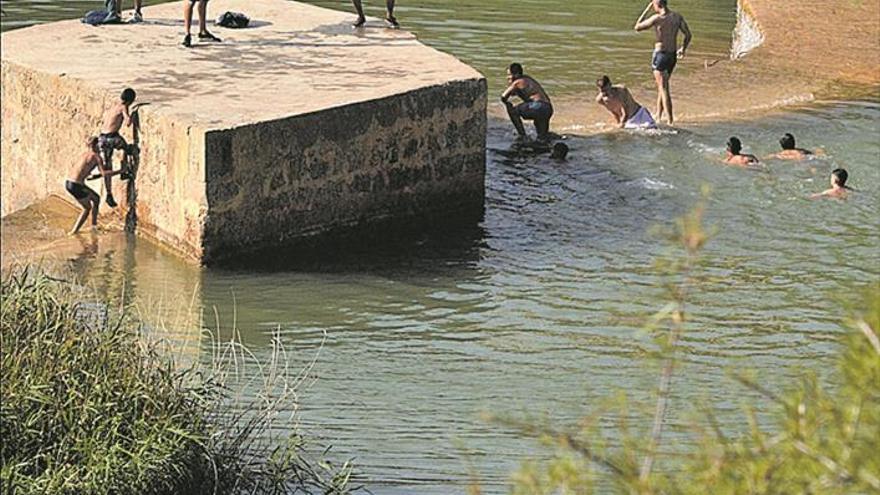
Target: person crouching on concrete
83,194
535,104
204,35
110,139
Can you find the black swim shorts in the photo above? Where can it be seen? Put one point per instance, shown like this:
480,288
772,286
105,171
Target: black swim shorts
535,110
109,142
664,61
79,191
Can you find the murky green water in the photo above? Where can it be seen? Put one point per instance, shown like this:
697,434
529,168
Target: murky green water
536,310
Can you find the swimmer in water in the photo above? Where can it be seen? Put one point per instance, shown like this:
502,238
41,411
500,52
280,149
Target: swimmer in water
839,189
667,25
733,155
560,151
535,104
789,151
624,108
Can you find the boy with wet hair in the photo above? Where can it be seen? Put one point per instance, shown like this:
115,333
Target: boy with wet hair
110,139
87,198
734,155
626,111
559,151
789,150
839,189
535,104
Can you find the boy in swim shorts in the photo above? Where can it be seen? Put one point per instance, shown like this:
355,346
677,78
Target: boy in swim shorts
535,104
87,198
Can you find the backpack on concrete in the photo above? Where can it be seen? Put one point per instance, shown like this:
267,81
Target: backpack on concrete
235,20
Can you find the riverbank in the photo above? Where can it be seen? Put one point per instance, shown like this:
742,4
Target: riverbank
91,404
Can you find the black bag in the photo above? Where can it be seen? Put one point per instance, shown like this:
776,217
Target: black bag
235,20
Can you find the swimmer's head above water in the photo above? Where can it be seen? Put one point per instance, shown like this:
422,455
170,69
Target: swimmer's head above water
560,151
839,177
734,145
787,142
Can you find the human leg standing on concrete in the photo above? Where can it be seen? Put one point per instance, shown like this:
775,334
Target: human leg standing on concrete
187,22
389,14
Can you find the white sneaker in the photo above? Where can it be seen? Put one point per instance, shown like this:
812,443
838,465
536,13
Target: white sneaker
137,17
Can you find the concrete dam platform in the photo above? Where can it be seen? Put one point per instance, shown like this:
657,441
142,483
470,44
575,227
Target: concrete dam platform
289,132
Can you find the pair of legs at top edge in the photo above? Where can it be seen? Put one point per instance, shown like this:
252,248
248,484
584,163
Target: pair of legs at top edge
389,14
204,34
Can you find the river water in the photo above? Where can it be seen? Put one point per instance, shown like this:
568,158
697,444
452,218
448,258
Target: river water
537,309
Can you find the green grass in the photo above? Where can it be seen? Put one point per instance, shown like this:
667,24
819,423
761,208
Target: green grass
88,407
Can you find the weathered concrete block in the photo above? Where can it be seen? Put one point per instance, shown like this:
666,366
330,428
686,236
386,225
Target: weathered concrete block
297,130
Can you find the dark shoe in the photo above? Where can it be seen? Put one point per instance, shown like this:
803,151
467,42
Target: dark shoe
359,22
392,23
111,202
187,41
206,36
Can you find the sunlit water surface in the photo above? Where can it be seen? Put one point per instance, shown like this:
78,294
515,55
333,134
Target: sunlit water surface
538,309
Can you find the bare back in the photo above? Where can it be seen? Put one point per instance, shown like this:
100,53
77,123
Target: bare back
622,94
86,164
530,90
666,28
113,119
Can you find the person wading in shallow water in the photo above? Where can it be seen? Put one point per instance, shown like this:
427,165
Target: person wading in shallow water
536,104
204,35
666,24
390,20
623,107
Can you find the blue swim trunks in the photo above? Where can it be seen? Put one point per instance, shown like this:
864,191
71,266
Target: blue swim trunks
535,110
664,61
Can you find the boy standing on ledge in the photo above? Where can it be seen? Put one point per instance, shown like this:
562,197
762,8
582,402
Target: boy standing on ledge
390,20
188,18
110,139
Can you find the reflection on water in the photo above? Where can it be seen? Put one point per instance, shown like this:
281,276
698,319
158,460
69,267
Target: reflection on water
538,309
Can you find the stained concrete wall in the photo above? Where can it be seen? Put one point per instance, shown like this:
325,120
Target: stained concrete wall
414,157
46,119
296,130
